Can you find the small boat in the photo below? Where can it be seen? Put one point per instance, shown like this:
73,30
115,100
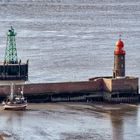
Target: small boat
15,102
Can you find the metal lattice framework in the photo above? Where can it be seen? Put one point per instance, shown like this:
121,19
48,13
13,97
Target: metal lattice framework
11,51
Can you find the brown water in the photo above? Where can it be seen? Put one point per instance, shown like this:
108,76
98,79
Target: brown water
72,121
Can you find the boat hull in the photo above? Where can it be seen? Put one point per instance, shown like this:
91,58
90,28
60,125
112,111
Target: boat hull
14,106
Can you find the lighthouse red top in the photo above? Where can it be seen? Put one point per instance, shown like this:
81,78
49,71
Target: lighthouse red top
119,47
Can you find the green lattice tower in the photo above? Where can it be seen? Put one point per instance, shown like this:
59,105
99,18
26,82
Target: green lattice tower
11,51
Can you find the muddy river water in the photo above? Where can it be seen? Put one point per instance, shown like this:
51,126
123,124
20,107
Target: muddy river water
71,121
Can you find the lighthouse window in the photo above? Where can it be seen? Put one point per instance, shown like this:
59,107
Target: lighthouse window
122,57
122,65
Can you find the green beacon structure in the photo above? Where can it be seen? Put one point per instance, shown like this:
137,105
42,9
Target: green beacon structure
12,68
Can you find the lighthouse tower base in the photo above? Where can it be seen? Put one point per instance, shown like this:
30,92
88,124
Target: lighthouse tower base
121,90
13,72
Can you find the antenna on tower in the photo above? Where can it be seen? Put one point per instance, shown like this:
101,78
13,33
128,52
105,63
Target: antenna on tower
120,36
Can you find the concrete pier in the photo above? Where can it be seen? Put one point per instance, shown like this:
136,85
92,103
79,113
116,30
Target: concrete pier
96,89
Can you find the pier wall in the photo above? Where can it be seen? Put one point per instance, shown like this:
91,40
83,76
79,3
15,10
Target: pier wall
130,84
119,85
55,88
96,89
65,87
107,84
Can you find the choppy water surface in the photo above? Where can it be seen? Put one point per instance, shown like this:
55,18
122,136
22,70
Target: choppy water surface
70,40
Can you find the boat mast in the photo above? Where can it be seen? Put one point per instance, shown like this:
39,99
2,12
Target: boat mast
12,91
22,87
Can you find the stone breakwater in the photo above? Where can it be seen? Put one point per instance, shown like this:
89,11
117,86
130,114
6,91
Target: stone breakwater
95,89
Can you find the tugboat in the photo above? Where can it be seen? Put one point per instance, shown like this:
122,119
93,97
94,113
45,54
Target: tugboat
15,102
